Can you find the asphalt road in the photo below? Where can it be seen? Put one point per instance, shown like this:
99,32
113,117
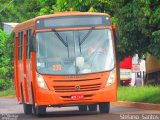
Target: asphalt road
11,110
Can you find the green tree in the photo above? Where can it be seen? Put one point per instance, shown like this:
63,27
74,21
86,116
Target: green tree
6,62
19,10
47,8
138,23
84,5
3,59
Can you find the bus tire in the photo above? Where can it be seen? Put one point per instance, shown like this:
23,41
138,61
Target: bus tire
92,107
40,111
27,108
82,107
104,107
37,110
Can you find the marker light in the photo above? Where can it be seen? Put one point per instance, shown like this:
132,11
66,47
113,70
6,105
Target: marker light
111,78
41,82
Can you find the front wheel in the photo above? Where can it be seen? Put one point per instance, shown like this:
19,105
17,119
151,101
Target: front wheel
27,109
40,110
104,107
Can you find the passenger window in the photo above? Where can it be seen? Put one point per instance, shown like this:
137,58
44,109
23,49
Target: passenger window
29,33
20,45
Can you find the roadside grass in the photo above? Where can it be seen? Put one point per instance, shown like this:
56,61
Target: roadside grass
145,94
8,92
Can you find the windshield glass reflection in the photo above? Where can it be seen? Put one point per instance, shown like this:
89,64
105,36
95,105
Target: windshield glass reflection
74,52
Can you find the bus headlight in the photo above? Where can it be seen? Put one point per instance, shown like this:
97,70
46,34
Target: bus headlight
111,78
41,82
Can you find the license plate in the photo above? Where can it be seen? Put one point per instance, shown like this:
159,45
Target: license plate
77,97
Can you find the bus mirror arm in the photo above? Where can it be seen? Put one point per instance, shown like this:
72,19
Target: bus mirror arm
116,34
32,44
116,37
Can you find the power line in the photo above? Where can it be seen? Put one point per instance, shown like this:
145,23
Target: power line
6,6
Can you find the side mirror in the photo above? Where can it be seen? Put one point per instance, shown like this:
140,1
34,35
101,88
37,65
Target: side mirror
116,34
116,37
32,43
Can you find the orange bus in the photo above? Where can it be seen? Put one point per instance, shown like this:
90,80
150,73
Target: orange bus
66,59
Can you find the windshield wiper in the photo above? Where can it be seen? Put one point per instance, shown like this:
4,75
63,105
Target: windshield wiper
60,38
88,33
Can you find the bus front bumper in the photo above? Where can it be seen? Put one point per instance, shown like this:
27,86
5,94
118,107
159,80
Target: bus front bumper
51,98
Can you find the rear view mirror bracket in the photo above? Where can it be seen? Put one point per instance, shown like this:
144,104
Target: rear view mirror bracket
116,37
116,34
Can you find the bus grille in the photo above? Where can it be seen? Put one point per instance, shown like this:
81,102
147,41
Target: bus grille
82,88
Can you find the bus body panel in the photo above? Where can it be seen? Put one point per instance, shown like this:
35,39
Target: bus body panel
25,74
29,80
21,79
88,82
16,75
51,98
26,86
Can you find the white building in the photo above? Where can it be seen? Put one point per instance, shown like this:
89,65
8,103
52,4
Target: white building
8,27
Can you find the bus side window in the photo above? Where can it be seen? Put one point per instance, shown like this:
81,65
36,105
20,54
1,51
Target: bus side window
20,45
29,33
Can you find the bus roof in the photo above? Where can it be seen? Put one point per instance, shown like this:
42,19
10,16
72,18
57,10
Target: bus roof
72,13
30,23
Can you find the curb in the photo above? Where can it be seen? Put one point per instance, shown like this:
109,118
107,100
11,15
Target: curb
147,106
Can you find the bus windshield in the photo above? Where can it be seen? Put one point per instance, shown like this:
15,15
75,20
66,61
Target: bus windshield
74,52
